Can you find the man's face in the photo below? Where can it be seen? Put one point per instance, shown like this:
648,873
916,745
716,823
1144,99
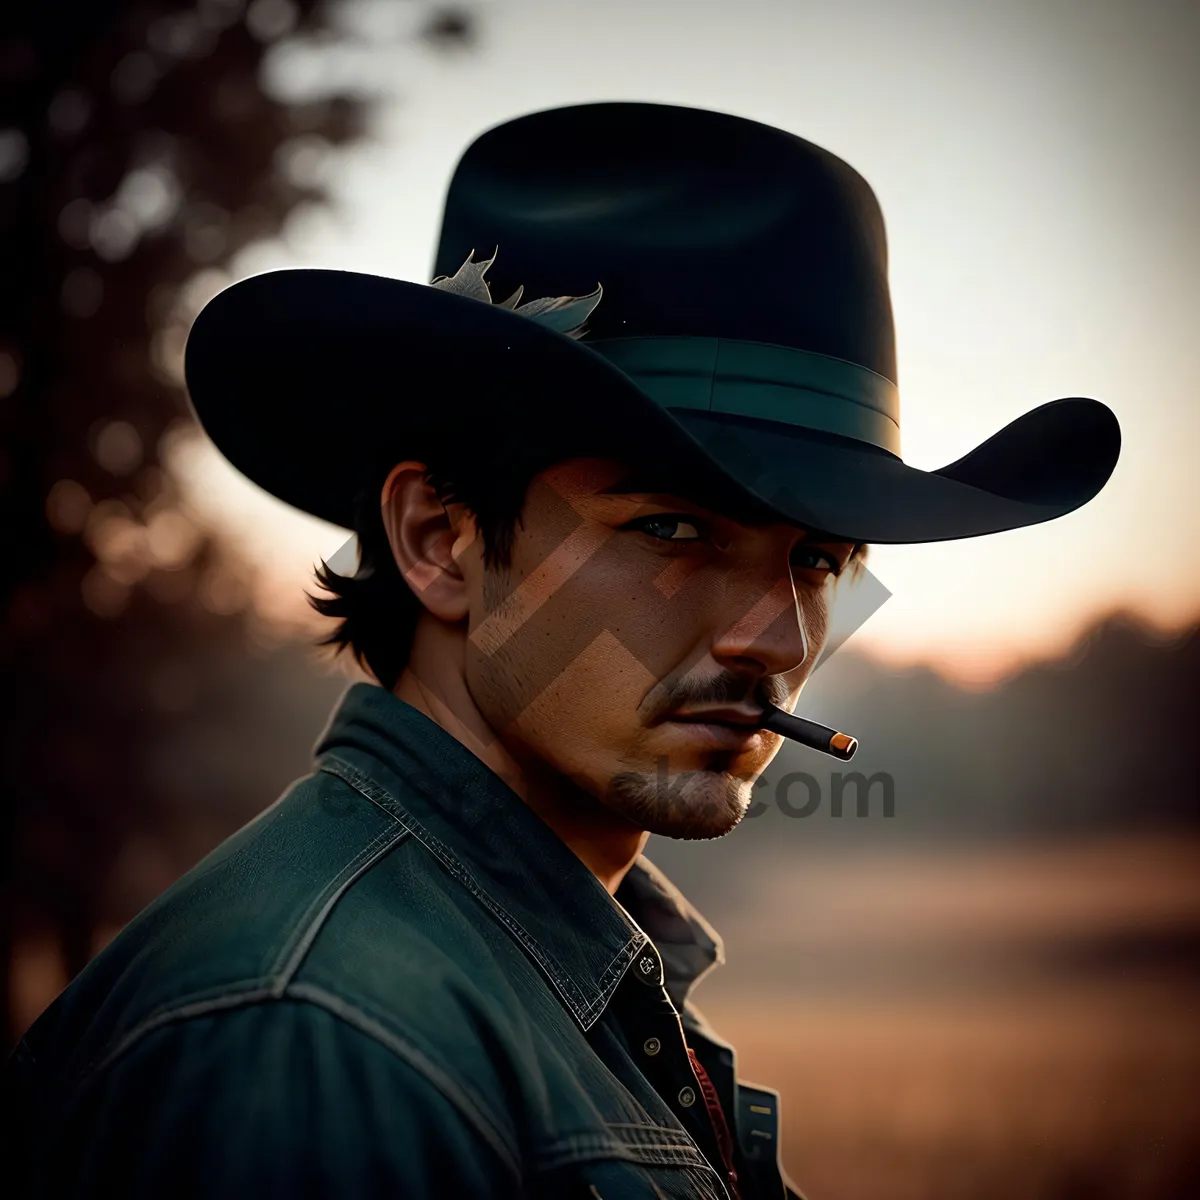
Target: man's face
624,610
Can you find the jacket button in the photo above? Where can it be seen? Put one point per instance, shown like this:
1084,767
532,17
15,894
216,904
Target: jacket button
648,970
687,1097
652,1045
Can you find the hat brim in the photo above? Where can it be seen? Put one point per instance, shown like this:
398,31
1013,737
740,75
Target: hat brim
295,374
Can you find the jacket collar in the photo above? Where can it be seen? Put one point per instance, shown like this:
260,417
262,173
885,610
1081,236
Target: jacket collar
512,861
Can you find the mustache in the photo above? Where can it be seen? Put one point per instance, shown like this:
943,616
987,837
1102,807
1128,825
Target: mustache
727,688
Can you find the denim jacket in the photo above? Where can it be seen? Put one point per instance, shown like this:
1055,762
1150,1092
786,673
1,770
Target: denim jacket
395,981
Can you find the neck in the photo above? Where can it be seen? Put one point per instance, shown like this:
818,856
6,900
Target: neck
434,683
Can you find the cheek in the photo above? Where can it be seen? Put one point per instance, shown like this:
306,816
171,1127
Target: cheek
573,671
596,696
816,605
579,720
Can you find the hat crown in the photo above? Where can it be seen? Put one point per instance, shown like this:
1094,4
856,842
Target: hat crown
745,326
696,224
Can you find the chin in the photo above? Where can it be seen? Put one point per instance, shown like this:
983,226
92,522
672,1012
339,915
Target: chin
683,805
697,831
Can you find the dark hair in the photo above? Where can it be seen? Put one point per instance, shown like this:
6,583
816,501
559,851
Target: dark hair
376,609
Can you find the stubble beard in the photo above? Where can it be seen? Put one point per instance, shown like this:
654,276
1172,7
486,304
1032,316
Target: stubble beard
685,805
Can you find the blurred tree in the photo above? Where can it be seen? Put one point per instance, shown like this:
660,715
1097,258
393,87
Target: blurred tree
136,148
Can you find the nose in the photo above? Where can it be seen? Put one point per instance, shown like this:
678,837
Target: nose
763,626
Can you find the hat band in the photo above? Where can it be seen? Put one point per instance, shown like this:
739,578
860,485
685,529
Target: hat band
756,379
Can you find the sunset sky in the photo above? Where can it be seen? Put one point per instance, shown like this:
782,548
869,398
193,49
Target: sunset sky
1039,172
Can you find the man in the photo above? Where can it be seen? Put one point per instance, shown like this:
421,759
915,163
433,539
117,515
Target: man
599,531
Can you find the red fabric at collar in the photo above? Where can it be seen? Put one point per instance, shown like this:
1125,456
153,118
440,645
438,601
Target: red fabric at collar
720,1127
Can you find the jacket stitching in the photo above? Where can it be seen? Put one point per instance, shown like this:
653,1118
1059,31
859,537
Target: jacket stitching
299,941
442,1080
349,1015
305,931
585,1011
251,994
588,1148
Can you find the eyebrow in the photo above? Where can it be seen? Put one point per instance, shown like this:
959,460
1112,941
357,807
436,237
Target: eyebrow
657,481
651,480
637,479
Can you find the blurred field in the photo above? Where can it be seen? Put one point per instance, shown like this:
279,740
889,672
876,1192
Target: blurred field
959,1054
1080,1093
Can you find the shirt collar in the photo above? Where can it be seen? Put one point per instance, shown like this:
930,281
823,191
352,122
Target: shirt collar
512,861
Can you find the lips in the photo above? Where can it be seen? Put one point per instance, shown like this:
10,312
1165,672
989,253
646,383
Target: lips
740,716
718,729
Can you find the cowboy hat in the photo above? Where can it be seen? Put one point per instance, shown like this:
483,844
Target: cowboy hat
715,286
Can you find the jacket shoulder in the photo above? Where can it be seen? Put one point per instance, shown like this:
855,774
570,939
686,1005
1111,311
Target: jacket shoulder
279,1097
322,892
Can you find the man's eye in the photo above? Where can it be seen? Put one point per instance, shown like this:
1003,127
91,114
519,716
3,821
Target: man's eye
670,527
811,559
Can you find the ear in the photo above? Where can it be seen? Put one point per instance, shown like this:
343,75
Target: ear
427,540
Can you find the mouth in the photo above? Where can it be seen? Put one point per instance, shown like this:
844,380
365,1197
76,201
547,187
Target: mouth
743,716
720,729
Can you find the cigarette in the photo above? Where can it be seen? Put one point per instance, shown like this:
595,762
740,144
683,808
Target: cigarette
809,733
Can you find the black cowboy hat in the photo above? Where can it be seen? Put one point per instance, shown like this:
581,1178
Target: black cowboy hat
745,325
